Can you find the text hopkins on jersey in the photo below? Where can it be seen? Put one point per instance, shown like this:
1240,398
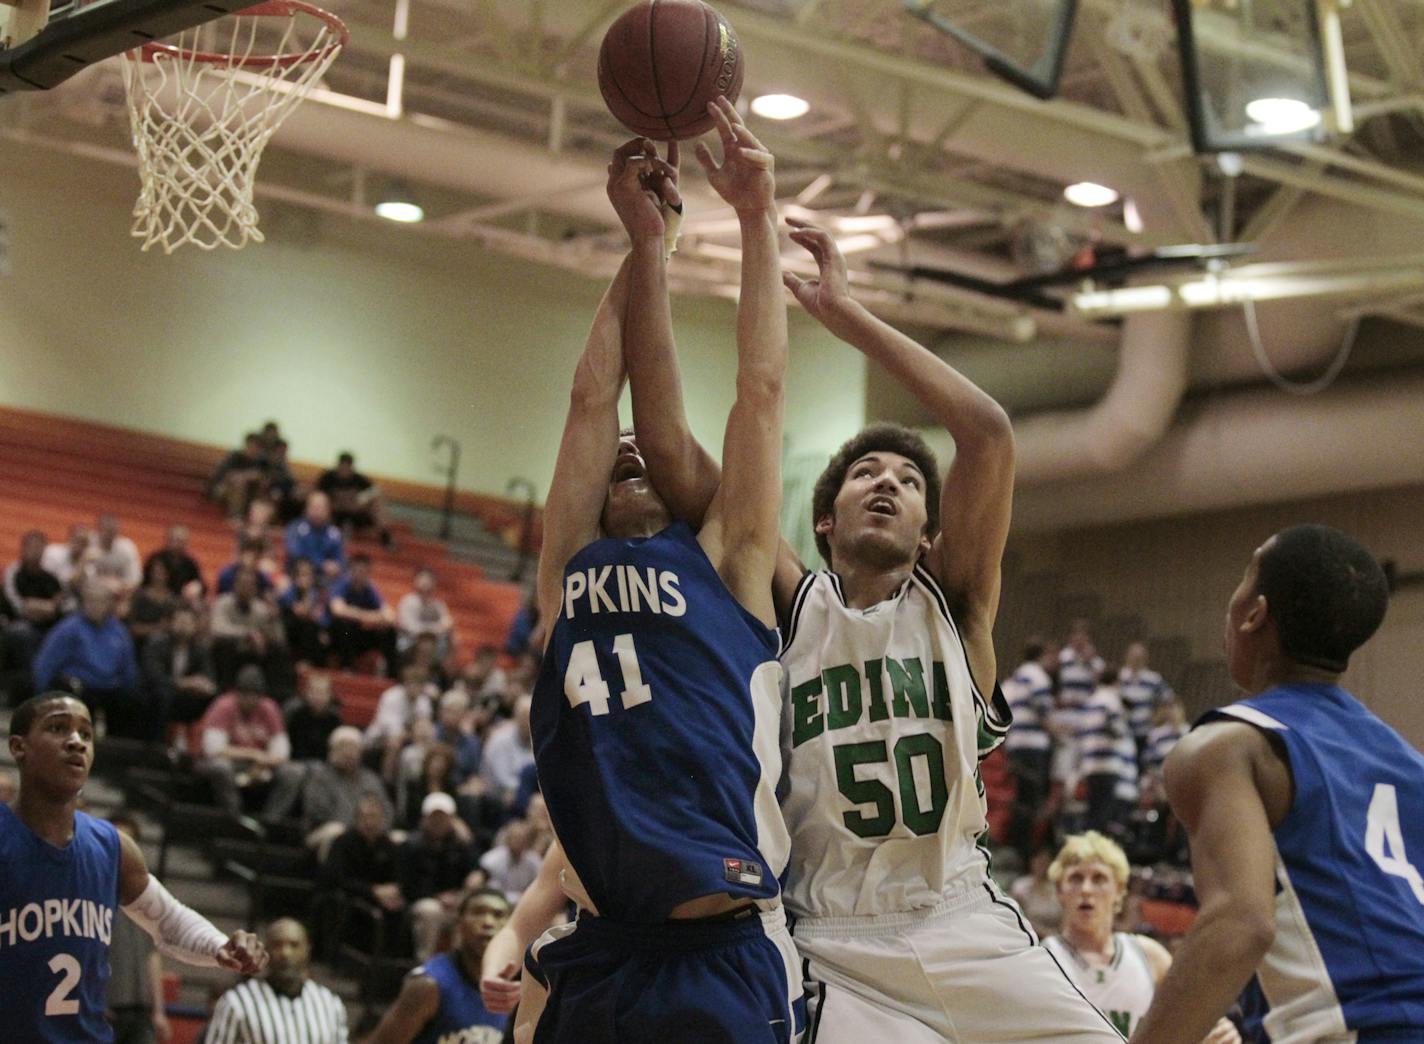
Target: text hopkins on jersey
623,589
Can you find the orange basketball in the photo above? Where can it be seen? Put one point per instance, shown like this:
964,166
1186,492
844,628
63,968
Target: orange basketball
662,61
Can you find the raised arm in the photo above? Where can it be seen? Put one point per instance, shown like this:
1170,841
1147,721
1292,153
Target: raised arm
1213,782
587,449
741,532
977,495
643,190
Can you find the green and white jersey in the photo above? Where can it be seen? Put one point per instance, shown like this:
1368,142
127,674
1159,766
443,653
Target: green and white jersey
1123,990
884,731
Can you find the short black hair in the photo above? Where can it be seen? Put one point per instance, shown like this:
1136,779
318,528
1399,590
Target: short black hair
481,893
892,438
345,457
28,712
1325,592
252,435
1033,649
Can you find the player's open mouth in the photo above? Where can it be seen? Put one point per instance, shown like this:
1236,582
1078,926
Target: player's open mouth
626,469
882,506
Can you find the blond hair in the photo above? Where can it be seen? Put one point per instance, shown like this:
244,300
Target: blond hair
1090,847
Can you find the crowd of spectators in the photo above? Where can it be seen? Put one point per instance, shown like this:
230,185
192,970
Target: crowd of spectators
231,674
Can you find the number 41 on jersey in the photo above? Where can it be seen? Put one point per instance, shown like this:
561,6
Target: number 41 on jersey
583,681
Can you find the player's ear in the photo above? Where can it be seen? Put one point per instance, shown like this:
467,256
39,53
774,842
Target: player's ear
17,748
825,523
1256,616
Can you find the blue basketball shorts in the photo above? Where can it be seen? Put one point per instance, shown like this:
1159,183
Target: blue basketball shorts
720,982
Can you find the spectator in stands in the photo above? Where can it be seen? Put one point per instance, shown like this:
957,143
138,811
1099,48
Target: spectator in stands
313,538
432,866
362,861
69,562
311,718
185,578
361,621
508,751
178,672
1142,689
237,477
1078,668
512,864
425,652
249,556
34,596
483,677
246,630
440,1000
1107,757
279,485
284,1005
396,711
244,740
137,1011
114,556
452,728
329,790
91,655
524,630
304,616
1169,725
426,768
420,612
355,500
1036,895
150,605
1028,746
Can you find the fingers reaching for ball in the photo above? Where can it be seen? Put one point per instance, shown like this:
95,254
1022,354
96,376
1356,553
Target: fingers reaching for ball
743,177
823,296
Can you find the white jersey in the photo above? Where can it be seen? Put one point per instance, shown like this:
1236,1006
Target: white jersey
884,733
1123,990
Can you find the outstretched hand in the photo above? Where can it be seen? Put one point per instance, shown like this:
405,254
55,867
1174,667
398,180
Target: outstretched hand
830,290
500,993
243,952
642,186
744,177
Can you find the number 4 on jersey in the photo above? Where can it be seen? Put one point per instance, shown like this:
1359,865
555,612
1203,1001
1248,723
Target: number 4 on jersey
583,681
1384,841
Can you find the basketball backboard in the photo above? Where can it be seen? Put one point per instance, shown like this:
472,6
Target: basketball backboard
40,48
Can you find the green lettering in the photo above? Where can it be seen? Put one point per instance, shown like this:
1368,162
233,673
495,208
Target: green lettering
807,720
875,678
1122,1021
864,791
842,696
941,693
922,821
907,685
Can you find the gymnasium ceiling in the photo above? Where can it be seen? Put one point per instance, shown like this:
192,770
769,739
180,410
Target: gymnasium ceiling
503,137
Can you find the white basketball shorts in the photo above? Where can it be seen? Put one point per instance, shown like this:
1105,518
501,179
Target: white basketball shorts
968,971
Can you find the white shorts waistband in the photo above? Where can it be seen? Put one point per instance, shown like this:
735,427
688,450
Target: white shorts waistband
959,895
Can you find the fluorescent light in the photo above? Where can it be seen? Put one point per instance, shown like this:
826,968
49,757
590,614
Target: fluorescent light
1280,115
1090,194
1131,216
864,223
1121,300
780,106
400,210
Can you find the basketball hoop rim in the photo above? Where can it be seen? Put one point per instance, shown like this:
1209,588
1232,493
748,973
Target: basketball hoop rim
151,51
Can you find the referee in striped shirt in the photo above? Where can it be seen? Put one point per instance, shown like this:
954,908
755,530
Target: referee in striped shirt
283,1007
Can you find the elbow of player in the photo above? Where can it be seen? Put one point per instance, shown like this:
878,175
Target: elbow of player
989,426
764,384
1246,934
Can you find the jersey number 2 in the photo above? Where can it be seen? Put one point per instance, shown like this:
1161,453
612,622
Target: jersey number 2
59,1001
1384,841
583,681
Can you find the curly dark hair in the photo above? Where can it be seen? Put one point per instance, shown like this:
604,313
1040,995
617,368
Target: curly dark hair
1326,593
892,438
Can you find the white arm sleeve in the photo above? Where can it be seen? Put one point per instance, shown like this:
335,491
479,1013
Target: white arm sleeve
179,931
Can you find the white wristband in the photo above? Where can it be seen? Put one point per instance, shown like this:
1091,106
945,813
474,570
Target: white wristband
672,225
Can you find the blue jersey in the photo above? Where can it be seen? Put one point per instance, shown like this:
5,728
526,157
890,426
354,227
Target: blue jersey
461,1017
656,723
1348,956
56,917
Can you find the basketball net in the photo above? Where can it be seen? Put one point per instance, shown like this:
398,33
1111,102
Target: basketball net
201,117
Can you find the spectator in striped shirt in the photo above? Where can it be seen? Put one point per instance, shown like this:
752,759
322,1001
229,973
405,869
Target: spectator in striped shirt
1078,668
1142,690
1107,757
1029,691
283,1007
1169,724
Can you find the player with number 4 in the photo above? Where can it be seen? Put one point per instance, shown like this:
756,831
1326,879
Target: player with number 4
1306,818
657,709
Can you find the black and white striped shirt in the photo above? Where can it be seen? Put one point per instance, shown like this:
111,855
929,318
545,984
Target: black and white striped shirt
253,1013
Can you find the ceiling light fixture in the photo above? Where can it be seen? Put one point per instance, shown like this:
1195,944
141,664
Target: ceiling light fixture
780,106
1090,194
399,205
1281,115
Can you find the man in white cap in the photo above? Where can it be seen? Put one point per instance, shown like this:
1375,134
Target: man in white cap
431,870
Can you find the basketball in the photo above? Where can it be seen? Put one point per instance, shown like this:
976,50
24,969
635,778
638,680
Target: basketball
662,61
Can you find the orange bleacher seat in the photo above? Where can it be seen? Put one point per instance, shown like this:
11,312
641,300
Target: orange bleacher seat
1168,918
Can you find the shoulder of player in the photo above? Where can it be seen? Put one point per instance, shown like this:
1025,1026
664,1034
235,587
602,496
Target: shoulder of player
419,991
1216,754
